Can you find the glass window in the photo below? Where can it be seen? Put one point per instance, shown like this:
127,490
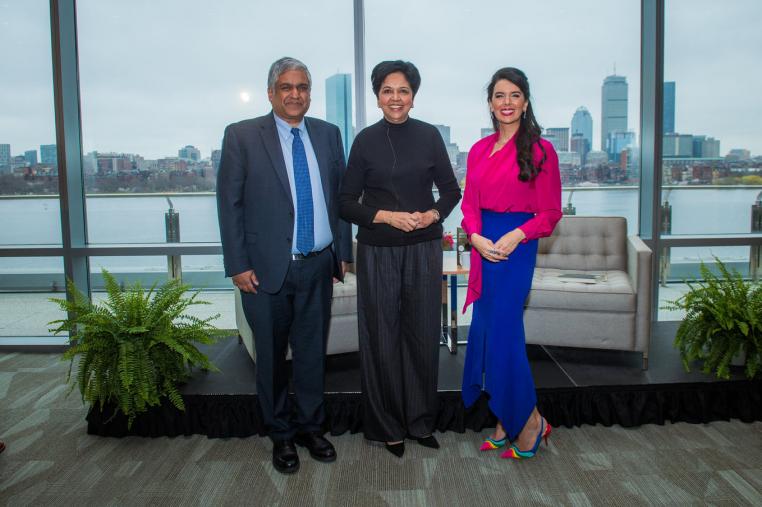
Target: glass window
585,84
712,182
201,272
28,160
712,136
681,264
26,284
155,106
146,269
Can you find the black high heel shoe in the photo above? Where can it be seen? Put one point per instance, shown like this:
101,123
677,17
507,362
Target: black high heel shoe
397,449
429,442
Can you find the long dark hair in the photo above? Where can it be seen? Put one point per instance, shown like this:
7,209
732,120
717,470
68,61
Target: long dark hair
529,130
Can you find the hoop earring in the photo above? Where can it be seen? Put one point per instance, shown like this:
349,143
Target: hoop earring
525,115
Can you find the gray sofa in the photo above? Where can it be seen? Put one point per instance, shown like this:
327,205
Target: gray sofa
614,313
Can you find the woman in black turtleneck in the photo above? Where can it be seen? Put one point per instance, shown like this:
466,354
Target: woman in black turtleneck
387,192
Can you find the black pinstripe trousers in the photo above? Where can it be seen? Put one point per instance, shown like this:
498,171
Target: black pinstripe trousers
398,305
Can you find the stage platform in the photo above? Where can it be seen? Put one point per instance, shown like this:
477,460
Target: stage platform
574,387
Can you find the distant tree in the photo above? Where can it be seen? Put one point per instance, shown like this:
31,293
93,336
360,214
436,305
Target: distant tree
751,179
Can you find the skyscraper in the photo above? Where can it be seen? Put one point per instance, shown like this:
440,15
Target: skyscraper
619,141
31,157
452,148
582,123
338,106
48,154
216,158
5,155
189,153
613,108
579,144
669,107
559,137
444,131
706,147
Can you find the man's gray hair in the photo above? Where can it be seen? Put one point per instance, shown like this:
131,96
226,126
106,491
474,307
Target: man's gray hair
284,65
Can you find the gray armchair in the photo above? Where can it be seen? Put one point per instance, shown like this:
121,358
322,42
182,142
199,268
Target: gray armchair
614,313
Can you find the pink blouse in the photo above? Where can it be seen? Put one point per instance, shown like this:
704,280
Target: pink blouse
492,183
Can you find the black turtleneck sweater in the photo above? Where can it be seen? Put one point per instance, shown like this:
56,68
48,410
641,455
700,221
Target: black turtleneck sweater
393,167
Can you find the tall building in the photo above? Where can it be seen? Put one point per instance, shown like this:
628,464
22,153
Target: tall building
189,153
711,148
216,157
5,155
452,148
559,137
706,147
31,157
579,144
444,131
338,107
48,154
18,162
582,123
618,142
677,145
669,107
613,108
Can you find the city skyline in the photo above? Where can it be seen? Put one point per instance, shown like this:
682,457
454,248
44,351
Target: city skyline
126,108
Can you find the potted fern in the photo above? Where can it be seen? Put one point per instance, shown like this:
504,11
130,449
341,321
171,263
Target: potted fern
723,320
135,347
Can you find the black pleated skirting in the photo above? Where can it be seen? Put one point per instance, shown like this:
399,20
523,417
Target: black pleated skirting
398,305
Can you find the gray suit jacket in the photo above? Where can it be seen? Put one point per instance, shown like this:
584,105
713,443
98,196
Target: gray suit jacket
254,201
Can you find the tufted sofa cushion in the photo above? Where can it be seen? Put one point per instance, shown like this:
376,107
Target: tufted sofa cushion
585,243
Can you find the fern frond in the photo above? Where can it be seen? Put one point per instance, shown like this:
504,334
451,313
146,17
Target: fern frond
134,348
723,317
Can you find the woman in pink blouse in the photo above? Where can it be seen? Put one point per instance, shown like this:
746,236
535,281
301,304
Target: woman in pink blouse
512,198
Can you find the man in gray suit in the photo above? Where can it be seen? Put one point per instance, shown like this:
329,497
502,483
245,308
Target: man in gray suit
283,243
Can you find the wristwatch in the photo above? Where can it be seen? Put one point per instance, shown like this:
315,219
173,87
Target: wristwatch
436,215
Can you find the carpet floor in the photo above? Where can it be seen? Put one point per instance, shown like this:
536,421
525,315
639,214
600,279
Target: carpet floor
51,460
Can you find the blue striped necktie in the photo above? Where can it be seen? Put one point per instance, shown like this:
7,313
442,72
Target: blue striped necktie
305,226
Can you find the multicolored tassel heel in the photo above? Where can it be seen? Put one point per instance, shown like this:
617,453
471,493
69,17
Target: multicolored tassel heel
513,451
490,444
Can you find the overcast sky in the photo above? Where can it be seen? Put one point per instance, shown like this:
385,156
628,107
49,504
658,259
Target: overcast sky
157,75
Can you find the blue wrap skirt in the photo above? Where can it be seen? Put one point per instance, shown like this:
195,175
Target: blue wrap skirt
496,359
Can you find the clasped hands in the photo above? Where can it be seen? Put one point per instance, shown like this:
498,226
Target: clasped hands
405,221
499,250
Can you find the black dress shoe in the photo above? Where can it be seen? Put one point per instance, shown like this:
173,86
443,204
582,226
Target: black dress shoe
285,458
320,448
429,441
397,449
